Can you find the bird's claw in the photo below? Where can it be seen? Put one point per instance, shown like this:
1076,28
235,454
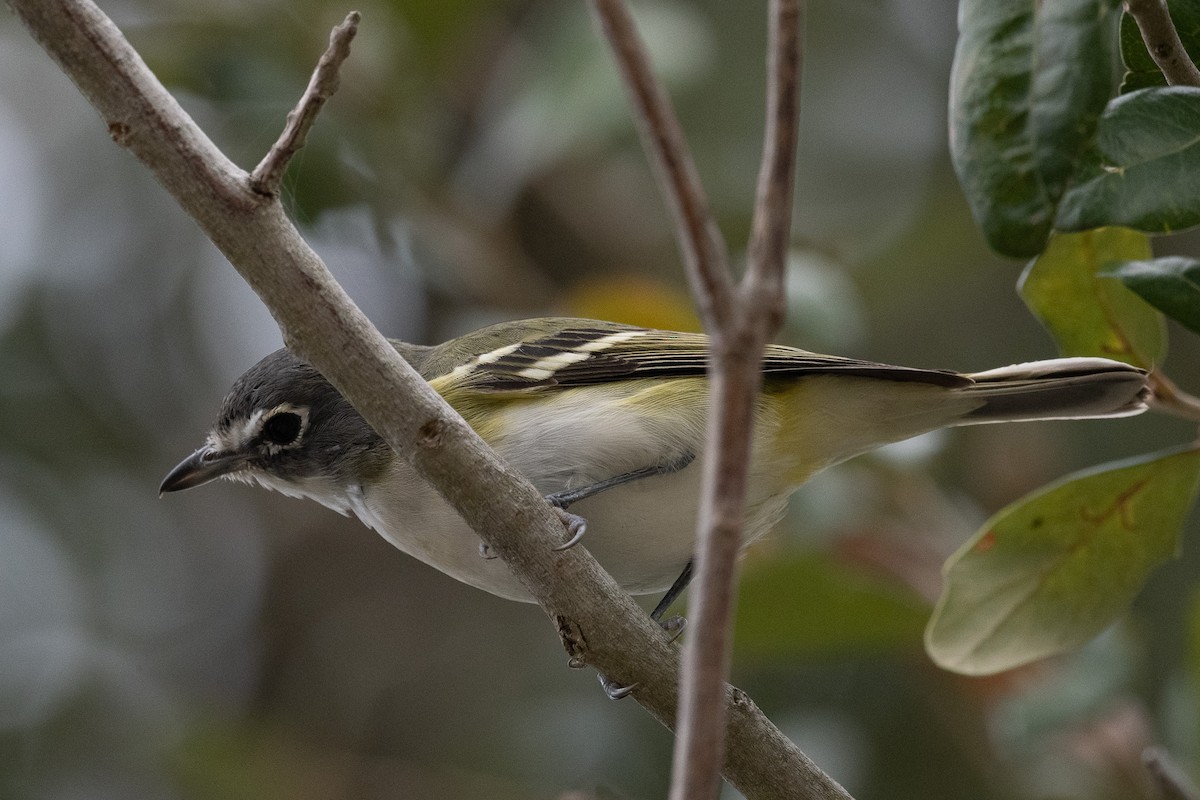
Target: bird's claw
576,527
673,626
614,690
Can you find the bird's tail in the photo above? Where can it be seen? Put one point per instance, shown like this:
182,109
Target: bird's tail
1061,388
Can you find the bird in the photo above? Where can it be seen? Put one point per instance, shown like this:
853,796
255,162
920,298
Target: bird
609,420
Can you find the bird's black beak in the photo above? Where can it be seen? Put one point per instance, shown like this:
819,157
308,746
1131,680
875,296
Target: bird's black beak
199,468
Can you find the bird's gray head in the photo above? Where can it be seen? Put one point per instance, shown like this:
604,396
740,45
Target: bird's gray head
283,426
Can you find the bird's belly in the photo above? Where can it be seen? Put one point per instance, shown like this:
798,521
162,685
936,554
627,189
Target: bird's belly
642,533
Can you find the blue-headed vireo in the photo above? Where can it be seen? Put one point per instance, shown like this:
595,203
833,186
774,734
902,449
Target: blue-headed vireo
612,418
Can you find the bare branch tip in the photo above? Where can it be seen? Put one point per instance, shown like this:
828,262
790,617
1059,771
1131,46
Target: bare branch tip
343,33
268,175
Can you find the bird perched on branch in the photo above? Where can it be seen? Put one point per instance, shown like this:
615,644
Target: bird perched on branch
610,420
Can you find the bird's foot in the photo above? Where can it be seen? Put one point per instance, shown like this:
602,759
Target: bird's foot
614,691
576,527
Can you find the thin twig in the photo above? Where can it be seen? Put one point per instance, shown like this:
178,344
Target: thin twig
1172,782
268,175
704,253
1167,397
700,738
772,223
1162,40
601,624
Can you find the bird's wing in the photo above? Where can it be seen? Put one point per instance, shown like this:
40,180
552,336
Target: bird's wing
581,354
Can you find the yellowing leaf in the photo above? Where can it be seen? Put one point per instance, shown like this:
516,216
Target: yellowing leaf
634,300
1048,573
1087,314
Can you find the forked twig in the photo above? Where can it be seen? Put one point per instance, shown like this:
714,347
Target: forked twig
740,321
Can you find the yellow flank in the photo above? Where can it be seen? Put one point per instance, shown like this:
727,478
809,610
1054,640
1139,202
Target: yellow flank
666,398
481,410
673,409
828,419
797,431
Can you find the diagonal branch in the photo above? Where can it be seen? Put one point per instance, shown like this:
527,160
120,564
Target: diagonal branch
599,624
1162,40
268,175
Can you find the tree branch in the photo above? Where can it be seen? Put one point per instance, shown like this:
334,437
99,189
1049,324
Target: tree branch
599,624
736,382
268,175
1162,40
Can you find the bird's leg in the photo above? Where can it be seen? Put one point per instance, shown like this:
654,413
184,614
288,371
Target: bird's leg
672,625
577,525
566,497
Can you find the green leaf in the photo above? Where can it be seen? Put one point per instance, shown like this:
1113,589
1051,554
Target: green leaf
1170,284
1146,170
1029,82
1086,314
1051,571
1141,71
805,607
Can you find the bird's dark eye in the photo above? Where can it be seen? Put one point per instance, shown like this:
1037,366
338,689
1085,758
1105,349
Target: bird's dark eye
282,428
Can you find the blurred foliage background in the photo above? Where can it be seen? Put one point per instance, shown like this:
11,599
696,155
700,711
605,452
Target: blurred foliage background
479,164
